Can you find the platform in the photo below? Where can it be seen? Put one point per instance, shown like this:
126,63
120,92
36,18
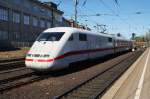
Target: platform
134,83
4,55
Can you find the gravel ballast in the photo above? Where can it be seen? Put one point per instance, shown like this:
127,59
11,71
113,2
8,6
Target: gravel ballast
58,83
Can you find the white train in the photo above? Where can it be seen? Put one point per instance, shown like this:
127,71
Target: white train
56,48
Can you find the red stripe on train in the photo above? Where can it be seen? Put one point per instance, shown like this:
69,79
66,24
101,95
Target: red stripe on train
39,60
73,53
42,60
28,59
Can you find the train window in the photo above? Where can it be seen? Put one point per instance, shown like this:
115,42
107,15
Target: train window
51,36
109,39
82,37
70,38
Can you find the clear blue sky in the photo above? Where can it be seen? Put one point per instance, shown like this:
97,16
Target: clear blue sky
126,23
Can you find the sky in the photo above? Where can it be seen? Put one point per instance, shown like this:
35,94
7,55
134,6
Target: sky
126,17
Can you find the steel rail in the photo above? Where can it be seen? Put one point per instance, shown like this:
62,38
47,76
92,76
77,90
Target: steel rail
76,92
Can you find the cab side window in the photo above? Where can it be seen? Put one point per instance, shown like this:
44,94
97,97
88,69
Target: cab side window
110,40
71,38
82,37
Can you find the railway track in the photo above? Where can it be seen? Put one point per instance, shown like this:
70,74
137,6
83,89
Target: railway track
16,77
94,87
19,76
12,63
11,59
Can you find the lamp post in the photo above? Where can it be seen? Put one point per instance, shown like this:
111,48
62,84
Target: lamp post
75,10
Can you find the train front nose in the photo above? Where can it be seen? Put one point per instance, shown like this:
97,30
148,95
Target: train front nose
38,63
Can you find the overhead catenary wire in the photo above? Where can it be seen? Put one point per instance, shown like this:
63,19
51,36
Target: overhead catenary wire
83,3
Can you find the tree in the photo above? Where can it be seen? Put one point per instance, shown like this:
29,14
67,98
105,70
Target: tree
133,36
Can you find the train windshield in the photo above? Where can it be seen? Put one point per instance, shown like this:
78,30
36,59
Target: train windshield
52,36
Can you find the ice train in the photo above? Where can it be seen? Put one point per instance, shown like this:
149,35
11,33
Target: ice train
56,48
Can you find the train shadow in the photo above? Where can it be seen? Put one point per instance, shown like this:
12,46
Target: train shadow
79,66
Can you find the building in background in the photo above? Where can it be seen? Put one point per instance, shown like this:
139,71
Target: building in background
71,23
21,21
66,22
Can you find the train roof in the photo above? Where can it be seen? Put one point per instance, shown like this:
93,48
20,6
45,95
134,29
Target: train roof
75,30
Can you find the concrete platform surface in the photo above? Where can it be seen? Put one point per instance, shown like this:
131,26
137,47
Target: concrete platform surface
135,82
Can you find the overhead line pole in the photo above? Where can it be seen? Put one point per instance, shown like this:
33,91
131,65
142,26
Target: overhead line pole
75,10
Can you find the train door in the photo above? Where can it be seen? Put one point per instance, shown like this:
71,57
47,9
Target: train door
71,47
91,46
82,46
114,45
